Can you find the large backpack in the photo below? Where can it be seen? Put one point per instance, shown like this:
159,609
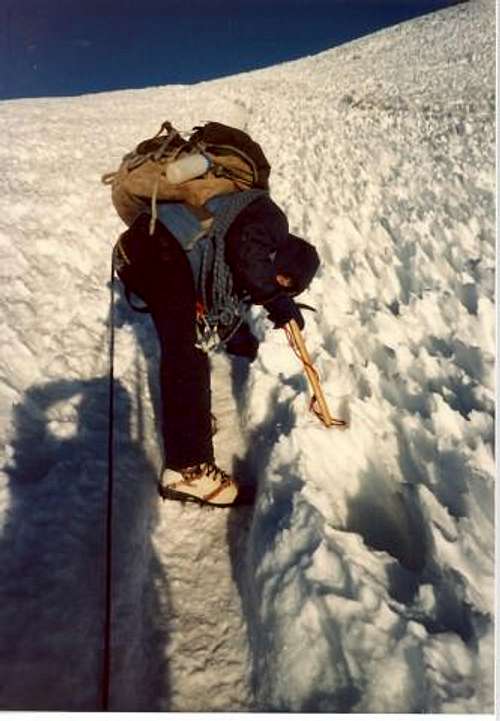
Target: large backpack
236,163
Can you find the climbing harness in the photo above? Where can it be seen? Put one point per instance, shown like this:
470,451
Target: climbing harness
318,404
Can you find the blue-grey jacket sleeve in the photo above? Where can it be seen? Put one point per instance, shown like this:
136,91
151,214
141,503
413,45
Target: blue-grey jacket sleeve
252,243
255,269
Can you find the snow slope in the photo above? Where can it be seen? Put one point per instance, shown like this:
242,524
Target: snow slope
369,554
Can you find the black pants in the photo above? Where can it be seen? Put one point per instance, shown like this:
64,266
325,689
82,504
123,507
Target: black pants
156,269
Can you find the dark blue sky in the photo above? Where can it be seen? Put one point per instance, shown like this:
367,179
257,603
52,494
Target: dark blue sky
70,47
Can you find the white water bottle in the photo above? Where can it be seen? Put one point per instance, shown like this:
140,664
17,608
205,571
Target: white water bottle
187,168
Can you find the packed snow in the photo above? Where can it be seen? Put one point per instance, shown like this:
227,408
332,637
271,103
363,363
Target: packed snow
362,581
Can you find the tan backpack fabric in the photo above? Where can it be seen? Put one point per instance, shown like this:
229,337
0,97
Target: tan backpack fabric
236,163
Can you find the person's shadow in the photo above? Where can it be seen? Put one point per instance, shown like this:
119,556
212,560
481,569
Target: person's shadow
53,551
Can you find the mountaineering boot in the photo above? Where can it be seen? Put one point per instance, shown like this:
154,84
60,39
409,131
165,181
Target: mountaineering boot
205,483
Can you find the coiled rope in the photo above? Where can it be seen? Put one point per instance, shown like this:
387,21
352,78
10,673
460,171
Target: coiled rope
224,308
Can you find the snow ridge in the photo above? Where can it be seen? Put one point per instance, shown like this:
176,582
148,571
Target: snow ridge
369,554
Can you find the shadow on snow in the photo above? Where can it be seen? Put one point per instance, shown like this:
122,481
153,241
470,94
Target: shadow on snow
52,558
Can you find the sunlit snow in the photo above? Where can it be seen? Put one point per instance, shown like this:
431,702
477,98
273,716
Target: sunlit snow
363,579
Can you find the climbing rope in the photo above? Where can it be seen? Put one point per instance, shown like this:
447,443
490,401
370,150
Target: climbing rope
223,308
106,654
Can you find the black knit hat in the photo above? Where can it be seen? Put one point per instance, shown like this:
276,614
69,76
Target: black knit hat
299,260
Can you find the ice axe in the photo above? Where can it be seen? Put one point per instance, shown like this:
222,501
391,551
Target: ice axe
318,403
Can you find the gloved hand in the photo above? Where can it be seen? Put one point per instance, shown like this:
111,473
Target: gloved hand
243,343
282,310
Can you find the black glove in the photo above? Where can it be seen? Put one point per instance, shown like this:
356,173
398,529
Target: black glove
243,343
282,310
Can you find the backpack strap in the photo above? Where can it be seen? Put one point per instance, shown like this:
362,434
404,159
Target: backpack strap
222,143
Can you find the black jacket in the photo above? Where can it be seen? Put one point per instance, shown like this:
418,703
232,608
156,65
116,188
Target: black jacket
258,246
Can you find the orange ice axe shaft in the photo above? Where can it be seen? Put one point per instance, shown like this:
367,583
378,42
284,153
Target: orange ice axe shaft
318,402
